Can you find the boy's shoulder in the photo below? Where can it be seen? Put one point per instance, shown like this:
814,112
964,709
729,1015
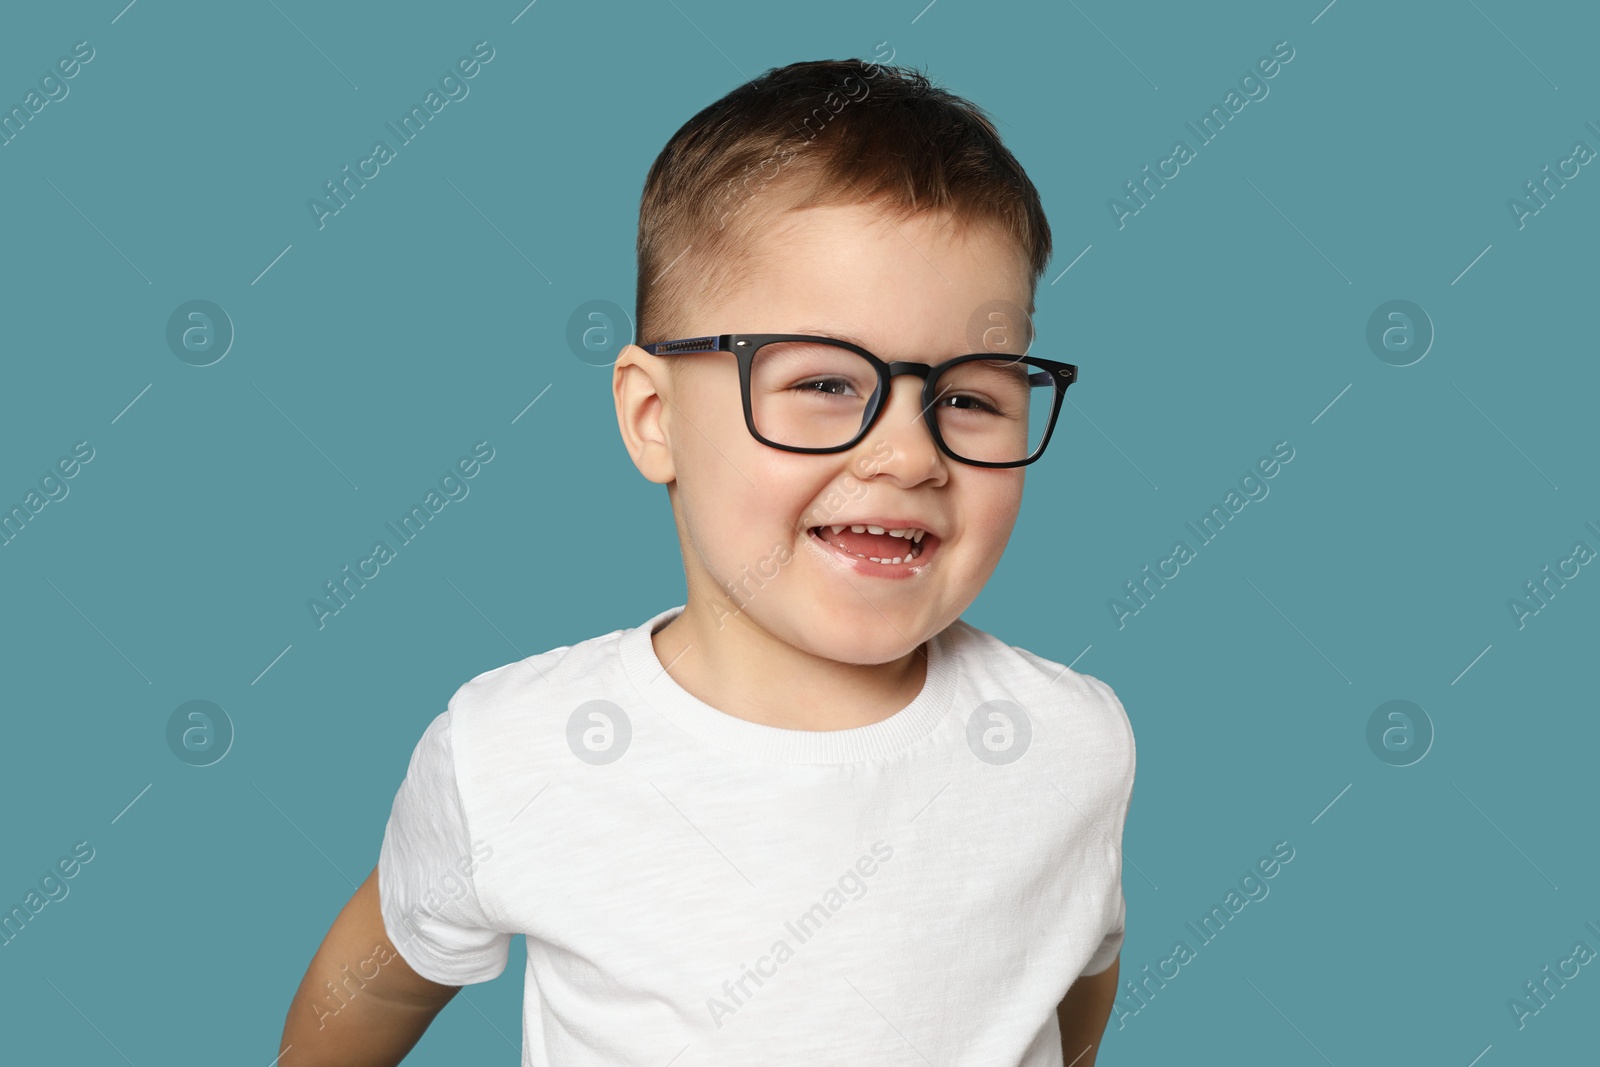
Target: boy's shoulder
989,652
514,720
510,686
1044,687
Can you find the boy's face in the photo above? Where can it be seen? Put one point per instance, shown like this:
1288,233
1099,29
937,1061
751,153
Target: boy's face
747,513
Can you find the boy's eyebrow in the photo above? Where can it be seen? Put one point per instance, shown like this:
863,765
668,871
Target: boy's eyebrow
837,335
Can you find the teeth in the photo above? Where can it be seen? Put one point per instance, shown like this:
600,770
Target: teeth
909,533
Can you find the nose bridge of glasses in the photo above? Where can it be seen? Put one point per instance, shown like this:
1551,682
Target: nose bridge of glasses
911,369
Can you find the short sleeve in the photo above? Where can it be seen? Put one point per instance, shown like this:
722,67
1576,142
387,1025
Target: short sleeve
1111,944
1116,923
428,873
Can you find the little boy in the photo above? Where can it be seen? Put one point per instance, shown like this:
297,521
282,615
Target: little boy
810,816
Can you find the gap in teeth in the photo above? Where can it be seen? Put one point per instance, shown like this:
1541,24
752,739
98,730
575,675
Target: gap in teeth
910,533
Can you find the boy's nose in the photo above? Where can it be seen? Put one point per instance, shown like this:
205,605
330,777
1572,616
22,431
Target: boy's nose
914,453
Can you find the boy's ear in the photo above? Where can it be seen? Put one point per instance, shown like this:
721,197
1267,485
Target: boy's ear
639,382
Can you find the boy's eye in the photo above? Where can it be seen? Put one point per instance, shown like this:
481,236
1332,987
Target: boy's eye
834,386
967,403
801,369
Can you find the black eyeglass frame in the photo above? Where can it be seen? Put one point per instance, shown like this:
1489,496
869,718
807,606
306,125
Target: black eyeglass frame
745,345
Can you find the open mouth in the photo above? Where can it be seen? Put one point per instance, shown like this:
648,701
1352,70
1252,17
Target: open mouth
876,544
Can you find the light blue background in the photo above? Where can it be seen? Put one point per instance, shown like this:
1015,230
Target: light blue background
1226,316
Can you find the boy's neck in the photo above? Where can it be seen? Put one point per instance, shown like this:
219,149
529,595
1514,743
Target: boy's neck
744,671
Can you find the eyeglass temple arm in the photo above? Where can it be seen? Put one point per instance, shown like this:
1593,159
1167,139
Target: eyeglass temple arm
691,344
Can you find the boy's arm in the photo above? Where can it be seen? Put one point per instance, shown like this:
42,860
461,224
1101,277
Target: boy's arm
1083,1015
372,1021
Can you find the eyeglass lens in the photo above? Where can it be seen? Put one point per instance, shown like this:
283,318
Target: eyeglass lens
810,395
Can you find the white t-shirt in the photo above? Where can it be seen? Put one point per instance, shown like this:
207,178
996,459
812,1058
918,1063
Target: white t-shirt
699,889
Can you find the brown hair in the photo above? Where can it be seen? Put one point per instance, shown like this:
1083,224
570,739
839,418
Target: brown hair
835,132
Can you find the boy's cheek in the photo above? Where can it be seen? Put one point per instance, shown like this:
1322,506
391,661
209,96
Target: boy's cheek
832,504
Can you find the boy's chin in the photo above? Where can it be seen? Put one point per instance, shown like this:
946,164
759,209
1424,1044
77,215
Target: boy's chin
862,636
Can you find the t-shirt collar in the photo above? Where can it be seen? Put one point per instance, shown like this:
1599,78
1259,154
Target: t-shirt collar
775,744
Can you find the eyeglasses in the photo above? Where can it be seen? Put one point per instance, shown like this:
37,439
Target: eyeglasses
803,393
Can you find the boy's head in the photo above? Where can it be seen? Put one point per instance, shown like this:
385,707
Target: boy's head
856,202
